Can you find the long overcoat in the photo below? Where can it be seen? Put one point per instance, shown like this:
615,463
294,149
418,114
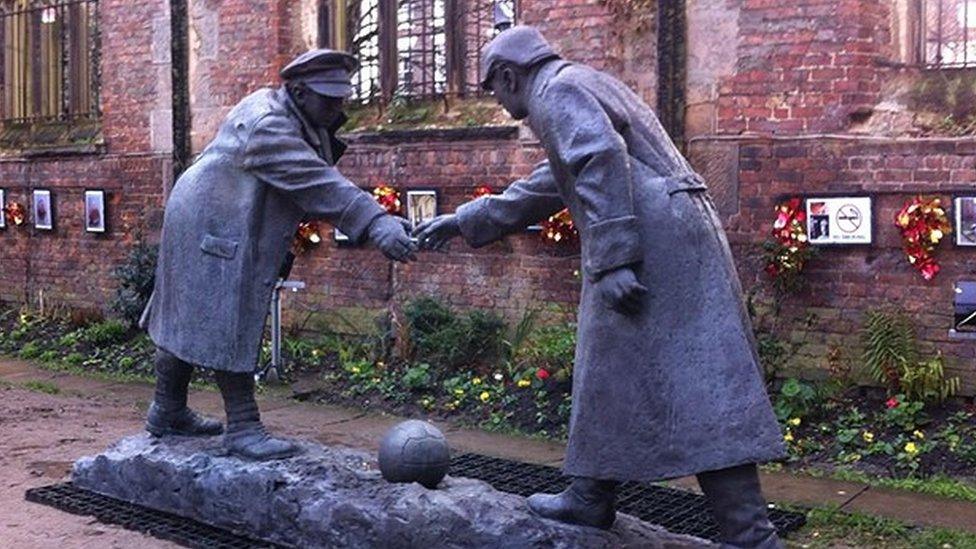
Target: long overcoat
229,223
676,389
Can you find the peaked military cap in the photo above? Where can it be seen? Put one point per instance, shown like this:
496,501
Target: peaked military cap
326,72
521,45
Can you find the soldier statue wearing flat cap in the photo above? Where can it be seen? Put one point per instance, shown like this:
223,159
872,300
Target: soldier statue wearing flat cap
666,381
227,229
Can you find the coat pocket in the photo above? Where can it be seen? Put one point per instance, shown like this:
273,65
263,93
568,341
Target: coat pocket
220,247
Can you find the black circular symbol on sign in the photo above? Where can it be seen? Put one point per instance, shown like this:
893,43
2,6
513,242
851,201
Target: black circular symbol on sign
849,218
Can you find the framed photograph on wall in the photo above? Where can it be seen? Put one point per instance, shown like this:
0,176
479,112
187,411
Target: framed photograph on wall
95,211
3,213
42,208
421,206
839,220
965,216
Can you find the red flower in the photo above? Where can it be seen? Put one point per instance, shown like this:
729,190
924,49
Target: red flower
542,374
892,403
482,190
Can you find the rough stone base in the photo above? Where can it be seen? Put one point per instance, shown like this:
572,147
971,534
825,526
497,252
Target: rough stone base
331,497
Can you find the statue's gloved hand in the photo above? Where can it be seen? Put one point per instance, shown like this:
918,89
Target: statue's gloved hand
434,233
389,234
621,290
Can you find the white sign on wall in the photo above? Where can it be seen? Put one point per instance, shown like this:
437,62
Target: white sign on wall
839,220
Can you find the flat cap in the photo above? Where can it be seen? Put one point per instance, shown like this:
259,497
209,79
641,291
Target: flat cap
326,72
521,45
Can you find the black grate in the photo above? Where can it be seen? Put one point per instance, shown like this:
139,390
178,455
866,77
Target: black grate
183,531
677,511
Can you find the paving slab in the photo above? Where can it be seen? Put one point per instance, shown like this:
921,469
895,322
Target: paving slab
918,509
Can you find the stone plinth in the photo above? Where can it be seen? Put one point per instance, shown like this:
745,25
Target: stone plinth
332,497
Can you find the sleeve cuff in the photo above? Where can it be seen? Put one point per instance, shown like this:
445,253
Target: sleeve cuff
358,216
476,226
611,244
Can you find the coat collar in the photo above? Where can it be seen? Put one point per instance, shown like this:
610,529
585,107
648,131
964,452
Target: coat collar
313,135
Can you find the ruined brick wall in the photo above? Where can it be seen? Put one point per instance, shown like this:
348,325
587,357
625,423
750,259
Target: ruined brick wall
806,102
67,265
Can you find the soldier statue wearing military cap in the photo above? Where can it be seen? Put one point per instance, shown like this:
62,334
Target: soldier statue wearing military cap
227,229
666,380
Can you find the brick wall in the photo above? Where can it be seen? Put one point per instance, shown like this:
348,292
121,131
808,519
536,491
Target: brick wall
67,265
844,282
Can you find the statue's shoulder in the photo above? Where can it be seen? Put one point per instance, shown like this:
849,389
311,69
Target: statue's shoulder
261,106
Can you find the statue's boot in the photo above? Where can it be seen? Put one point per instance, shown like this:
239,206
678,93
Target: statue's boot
168,413
739,508
246,436
587,501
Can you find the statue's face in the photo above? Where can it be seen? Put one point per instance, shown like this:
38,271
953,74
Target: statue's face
321,110
508,86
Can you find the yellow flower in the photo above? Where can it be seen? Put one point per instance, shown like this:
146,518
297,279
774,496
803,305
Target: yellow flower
936,236
794,421
911,449
456,403
524,383
918,434
484,396
853,457
868,436
459,391
355,369
425,402
476,381
788,437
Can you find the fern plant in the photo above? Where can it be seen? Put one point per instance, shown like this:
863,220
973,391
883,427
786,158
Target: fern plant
889,347
925,381
892,358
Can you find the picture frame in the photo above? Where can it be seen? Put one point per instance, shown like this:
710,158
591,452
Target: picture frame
421,206
3,209
840,220
964,216
95,211
42,209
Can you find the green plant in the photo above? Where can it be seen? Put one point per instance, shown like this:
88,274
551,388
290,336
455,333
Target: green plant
440,337
551,348
417,377
136,277
104,333
903,413
42,387
889,346
31,349
795,399
925,381
892,358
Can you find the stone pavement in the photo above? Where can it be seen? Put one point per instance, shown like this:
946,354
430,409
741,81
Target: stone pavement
335,425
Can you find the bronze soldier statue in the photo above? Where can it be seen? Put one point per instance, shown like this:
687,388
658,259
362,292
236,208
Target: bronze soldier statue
666,381
227,228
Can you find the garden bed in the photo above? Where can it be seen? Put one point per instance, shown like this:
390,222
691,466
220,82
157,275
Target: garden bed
473,369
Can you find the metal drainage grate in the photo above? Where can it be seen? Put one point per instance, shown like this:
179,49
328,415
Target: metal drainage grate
180,530
677,511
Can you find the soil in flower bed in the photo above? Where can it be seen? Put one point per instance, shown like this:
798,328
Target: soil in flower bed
868,431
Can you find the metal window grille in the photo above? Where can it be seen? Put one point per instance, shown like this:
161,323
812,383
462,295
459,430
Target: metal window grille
415,49
949,33
477,21
363,21
50,60
421,49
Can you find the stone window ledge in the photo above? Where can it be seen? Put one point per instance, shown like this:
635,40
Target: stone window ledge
475,133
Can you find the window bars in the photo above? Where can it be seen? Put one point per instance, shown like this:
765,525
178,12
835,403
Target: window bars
418,49
50,60
949,33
